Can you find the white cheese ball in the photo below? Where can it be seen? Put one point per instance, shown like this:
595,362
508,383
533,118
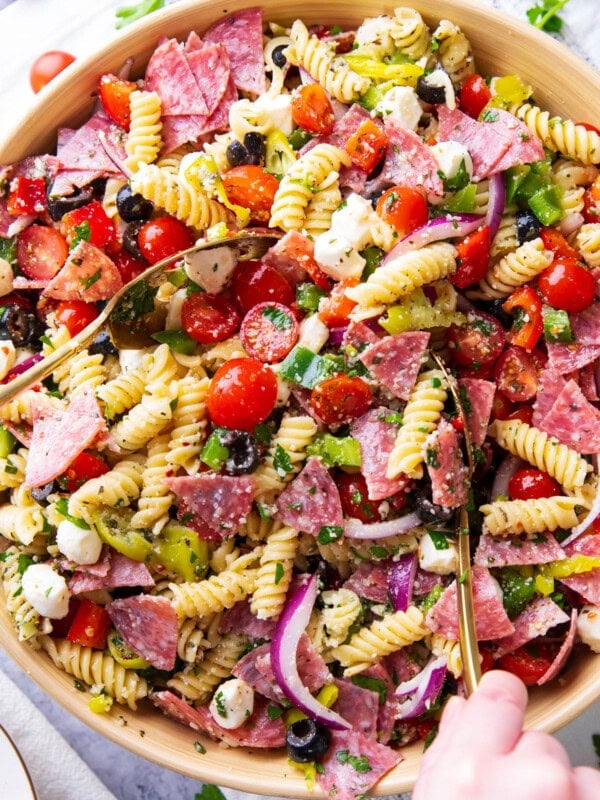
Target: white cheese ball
441,561
232,703
450,155
588,627
6,277
46,590
78,544
8,356
401,104
211,269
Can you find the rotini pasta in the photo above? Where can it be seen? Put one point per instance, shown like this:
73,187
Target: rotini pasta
514,269
274,574
563,135
508,517
144,141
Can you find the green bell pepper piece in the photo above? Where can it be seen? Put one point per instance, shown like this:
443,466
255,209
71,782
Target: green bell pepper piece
557,326
545,204
7,442
517,590
308,297
304,367
341,451
178,341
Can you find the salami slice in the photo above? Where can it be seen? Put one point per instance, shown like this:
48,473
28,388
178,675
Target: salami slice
311,501
525,146
358,336
210,67
386,714
370,581
85,149
550,385
255,669
149,626
587,584
395,360
408,162
293,255
479,397
241,34
505,551
563,654
222,501
486,145
88,274
566,358
573,420
446,467
376,433
586,325
239,619
121,571
169,75
535,620
358,706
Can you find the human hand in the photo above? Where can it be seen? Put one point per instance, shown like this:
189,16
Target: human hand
482,753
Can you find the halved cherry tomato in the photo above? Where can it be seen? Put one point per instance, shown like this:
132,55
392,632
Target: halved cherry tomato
312,109
269,331
242,394
475,94
336,307
501,406
90,626
473,256
41,252
256,282
367,146
354,495
82,469
89,222
251,187
75,315
529,484
529,662
528,325
128,265
162,237
516,375
478,342
589,127
114,96
554,240
209,318
524,413
340,399
487,657
403,208
27,196
47,66
591,205
567,285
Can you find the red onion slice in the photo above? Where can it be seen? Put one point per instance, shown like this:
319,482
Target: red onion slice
507,468
424,689
592,514
496,202
22,367
448,226
401,578
355,529
570,224
289,629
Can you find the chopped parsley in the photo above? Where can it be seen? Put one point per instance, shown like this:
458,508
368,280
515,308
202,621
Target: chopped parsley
62,506
274,712
279,573
359,763
138,300
329,533
199,748
281,461
373,685
280,319
220,704
87,282
83,233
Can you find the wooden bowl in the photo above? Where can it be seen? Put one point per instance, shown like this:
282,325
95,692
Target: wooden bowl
563,83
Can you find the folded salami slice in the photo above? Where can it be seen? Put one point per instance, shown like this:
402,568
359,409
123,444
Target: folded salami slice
223,502
83,152
586,324
210,67
386,714
506,551
291,256
586,584
242,35
376,433
566,358
550,385
358,705
170,75
478,397
121,571
573,420
149,625
239,619
535,620
446,467
395,360
88,274
311,501
563,654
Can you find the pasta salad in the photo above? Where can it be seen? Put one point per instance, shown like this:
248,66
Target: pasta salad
241,505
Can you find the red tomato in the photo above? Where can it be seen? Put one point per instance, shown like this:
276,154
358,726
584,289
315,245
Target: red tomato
529,483
501,406
473,258
529,662
91,625
90,222
256,282
523,413
487,658
478,342
251,187
475,94
269,331
340,399
367,146
591,205
75,315
355,497
242,394
403,208
114,96
27,196
128,265
516,375
41,252
335,308
567,285
554,240
162,237
589,127
312,109
82,469
209,318
47,66
60,627
528,325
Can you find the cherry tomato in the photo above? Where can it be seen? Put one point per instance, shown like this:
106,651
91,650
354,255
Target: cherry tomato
567,285
528,326
335,308
41,252
473,255
367,146
529,483
354,495
516,375
47,66
90,222
403,208
256,282
312,109
589,127
554,240
27,196
269,331
75,315
90,626
501,406
242,394
85,467
591,205
60,627
478,342
487,657
162,237
128,265
524,413
340,399
251,187
114,96
530,662
475,94
209,318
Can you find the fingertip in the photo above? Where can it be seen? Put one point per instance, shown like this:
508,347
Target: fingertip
500,685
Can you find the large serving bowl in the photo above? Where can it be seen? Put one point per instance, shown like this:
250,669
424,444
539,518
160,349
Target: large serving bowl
563,83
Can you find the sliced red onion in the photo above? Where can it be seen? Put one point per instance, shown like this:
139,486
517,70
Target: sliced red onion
448,226
570,224
592,514
119,164
401,578
355,529
423,689
336,335
289,629
508,466
22,367
496,202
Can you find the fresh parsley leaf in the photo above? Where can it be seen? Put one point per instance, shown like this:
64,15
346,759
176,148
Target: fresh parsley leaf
8,249
83,233
138,300
128,14
281,461
62,505
544,15
280,319
360,763
279,573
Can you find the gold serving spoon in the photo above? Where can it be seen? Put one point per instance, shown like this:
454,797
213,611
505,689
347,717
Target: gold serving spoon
466,616
249,244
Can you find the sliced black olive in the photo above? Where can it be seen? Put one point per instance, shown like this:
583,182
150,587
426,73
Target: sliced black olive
103,345
244,452
236,153
307,740
133,207
278,57
21,326
429,512
429,90
40,493
58,206
255,144
503,317
130,241
528,227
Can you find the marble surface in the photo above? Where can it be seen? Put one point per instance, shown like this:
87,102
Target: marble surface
130,777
